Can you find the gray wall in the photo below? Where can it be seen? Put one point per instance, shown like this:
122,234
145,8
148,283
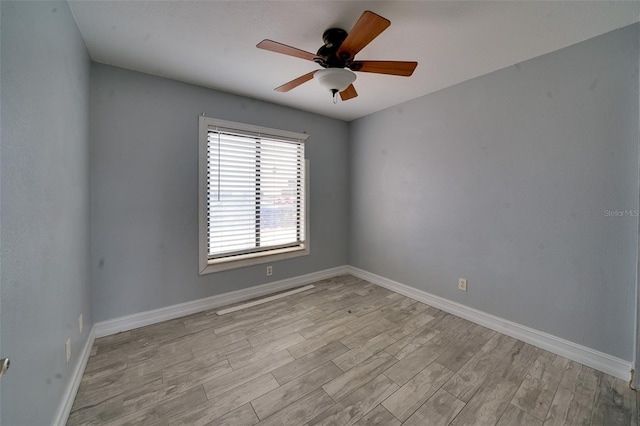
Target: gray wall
637,335
44,206
504,180
144,180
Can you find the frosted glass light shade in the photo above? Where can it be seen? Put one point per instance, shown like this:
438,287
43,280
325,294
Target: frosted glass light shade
335,79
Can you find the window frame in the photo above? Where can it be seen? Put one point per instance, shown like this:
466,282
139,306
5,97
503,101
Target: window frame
206,265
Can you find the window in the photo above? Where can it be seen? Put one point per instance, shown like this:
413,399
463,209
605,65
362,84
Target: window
252,195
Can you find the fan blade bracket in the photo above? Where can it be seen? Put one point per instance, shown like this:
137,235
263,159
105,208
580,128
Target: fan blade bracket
344,55
321,61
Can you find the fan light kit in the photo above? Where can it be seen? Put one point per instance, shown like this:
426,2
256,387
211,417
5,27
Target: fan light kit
335,79
337,57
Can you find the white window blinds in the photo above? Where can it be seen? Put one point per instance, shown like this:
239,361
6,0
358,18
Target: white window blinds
255,193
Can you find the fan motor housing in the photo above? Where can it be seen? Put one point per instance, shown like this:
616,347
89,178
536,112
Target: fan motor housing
333,38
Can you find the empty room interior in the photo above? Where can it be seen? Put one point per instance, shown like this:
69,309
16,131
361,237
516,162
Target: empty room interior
432,220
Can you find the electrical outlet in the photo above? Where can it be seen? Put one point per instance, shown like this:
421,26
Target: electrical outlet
80,324
462,284
269,270
67,345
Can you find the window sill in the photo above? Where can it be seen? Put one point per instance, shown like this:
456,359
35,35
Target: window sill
224,264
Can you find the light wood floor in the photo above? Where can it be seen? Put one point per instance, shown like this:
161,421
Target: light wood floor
347,352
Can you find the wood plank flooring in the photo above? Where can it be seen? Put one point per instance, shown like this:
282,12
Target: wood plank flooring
344,353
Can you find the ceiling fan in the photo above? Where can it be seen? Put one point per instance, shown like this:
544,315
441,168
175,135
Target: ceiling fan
337,57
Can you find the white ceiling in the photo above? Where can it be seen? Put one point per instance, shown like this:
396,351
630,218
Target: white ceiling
212,43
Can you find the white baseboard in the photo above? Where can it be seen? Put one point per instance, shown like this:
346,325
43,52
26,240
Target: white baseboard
72,389
129,322
599,360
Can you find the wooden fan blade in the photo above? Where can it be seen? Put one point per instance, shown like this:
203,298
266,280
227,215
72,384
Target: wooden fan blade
368,27
401,68
295,83
274,46
348,93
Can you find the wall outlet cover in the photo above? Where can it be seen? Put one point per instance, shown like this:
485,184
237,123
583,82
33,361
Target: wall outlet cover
462,284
